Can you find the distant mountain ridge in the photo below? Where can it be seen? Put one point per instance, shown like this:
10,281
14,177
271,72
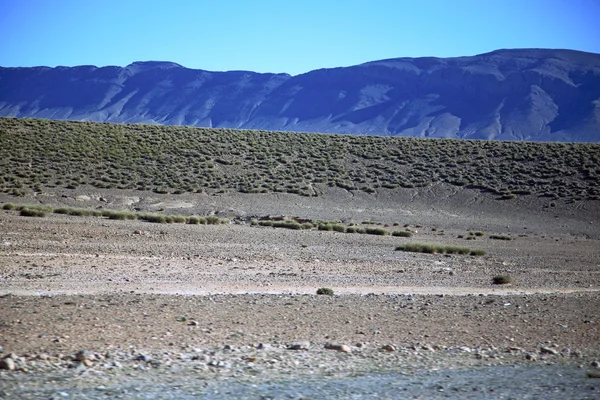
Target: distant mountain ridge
520,94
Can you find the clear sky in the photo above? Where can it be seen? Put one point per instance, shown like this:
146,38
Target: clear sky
292,36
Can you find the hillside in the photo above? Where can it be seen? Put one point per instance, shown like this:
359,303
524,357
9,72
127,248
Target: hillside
525,94
38,154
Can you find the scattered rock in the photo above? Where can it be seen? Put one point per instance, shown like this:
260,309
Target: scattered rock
388,347
595,364
338,347
7,364
531,357
548,350
302,345
83,355
193,323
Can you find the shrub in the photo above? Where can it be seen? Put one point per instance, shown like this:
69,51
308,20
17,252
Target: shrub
30,212
215,220
501,280
325,227
179,219
434,249
351,229
78,212
193,220
500,237
287,224
154,218
325,291
9,206
478,233
338,228
405,234
377,231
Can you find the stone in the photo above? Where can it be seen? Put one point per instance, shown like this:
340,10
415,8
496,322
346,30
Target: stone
301,345
388,347
595,364
193,323
83,355
344,348
7,364
548,350
531,357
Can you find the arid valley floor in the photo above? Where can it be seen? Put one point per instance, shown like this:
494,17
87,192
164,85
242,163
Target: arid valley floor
231,311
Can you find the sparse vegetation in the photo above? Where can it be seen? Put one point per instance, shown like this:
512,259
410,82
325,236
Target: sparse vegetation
500,237
501,280
325,291
42,211
38,154
405,234
438,249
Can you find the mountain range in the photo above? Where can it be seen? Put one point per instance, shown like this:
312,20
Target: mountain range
519,94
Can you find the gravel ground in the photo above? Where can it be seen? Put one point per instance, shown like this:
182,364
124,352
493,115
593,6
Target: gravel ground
92,308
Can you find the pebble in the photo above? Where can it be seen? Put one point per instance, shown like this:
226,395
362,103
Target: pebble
7,364
302,345
595,364
531,357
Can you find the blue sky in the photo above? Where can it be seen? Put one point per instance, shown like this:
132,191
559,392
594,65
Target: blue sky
283,36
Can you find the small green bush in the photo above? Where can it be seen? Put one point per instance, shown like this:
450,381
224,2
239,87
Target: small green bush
287,225
500,237
501,280
338,228
215,220
377,231
30,212
405,234
325,291
438,249
9,206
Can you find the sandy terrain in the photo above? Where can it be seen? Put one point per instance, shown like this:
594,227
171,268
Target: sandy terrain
131,287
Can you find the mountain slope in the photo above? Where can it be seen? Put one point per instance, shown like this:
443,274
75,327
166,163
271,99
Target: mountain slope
526,94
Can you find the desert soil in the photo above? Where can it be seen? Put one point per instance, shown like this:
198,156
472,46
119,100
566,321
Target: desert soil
188,311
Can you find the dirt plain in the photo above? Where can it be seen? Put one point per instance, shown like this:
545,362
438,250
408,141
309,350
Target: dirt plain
191,295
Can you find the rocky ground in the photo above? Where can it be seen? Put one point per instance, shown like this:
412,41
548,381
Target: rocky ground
95,308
